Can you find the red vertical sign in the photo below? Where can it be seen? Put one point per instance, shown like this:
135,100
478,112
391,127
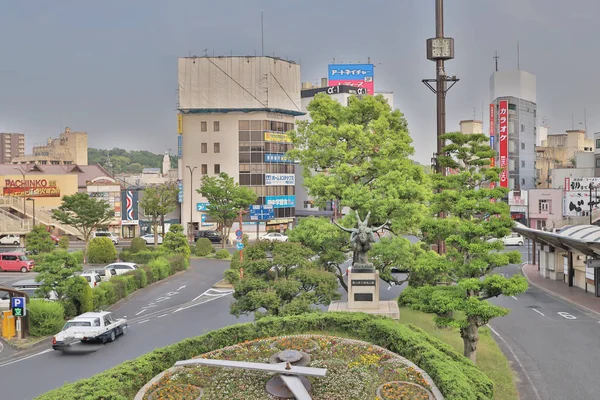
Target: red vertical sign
492,134
503,141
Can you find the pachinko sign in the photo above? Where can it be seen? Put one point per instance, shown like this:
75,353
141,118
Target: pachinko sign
30,188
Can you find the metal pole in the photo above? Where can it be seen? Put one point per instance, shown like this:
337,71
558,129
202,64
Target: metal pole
441,101
191,222
591,203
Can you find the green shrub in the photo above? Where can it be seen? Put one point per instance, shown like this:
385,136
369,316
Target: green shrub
455,376
203,247
63,242
45,317
178,263
38,240
222,254
78,256
110,292
100,297
176,242
101,250
246,239
137,244
119,284
79,298
149,274
235,261
140,278
160,268
144,257
232,276
125,255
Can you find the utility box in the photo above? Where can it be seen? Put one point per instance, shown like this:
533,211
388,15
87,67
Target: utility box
8,325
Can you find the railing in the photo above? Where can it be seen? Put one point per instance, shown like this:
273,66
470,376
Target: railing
16,227
41,215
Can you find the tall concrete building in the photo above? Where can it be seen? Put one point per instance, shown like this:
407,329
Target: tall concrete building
234,115
519,89
11,145
68,148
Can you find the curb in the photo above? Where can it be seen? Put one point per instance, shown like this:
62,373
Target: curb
558,296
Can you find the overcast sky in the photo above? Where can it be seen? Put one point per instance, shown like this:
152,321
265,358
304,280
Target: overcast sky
110,67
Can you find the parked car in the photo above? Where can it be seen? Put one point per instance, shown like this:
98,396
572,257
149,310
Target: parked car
4,301
100,326
110,235
10,240
30,286
513,239
213,236
93,278
105,274
122,267
149,238
15,262
275,237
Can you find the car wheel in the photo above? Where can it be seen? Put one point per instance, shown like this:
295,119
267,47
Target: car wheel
16,243
23,269
112,336
520,243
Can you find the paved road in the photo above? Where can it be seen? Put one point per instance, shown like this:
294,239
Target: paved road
183,315
554,344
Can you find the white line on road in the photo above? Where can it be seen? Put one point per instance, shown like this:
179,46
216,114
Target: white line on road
566,315
141,322
181,287
162,299
150,305
514,297
164,315
141,312
535,391
1,347
25,358
197,304
539,312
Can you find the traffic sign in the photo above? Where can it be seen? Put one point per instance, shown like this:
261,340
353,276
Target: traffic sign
18,306
239,233
239,246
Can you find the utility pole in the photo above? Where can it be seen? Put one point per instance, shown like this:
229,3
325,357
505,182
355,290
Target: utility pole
440,49
191,223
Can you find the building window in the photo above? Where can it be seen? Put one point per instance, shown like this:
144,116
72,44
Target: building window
544,205
203,126
204,169
522,128
512,107
203,148
217,147
598,162
522,146
522,164
598,143
217,169
522,181
216,126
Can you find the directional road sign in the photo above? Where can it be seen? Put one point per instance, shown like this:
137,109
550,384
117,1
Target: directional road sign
18,306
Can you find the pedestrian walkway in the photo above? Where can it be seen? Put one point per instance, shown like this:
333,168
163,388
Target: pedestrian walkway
573,295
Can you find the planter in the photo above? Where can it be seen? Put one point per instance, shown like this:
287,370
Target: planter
399,390
176,392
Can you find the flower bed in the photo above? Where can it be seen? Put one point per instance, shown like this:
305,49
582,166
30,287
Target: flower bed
355,371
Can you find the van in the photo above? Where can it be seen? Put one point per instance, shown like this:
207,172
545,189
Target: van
15,262
110,235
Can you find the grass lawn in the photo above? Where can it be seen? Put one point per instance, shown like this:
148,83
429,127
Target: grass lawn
490,358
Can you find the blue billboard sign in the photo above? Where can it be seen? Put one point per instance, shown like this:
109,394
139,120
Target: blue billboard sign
281,201
358,75
179,145
258,213
277,158
201,206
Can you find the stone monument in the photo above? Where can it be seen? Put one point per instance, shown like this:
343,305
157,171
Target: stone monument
363,278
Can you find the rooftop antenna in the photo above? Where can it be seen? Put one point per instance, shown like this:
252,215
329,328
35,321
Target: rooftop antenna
518,56
262,32
496,57
585,120
205,52
474,113
572,122
368,60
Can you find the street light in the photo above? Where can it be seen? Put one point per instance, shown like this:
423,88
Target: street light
191,223
33,205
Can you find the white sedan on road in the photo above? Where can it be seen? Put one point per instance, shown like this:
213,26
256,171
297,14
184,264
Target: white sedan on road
149,238
275,237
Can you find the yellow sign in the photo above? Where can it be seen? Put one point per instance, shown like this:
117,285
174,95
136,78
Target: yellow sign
179,123
277,137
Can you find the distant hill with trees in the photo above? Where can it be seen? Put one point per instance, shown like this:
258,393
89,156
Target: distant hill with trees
125,161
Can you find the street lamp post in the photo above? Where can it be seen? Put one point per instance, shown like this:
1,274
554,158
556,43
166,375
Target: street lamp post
191,223
33,205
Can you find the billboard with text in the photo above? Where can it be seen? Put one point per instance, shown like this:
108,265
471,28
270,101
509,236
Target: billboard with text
503,141
357,75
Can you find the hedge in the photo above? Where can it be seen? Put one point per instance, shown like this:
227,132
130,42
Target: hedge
45,317
455,376
101,250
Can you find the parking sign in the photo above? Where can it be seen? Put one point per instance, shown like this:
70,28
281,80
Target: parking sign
18,306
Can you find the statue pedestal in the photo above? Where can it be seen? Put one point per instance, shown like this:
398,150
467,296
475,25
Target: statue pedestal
363,296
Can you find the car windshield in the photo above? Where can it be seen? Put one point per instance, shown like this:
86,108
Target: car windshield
23,258
71,324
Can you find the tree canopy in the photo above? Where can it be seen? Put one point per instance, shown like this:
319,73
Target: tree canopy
225,200
456,286
157,201
125,161
38,240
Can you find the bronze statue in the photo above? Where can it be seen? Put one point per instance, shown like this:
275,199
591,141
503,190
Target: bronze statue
362,238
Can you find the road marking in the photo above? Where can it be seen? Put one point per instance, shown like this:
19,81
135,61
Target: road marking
514,297
150,306
25,358
162,299
171,294
164,315
512,352
198,304
539,312
1,347
141,322
566,315
181,287
141,312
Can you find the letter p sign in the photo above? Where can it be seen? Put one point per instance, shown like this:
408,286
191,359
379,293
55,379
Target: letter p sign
18,306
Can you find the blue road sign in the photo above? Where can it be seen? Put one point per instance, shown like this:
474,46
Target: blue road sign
239,246
264,212
18,306
239,233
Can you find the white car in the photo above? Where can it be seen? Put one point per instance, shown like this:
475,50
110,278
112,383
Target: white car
100,326
93,278
149,238
275,237
122,267
10,239
105,274
513,239
110,235
4,301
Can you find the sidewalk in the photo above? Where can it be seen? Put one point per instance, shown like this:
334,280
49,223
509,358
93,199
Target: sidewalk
573,295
